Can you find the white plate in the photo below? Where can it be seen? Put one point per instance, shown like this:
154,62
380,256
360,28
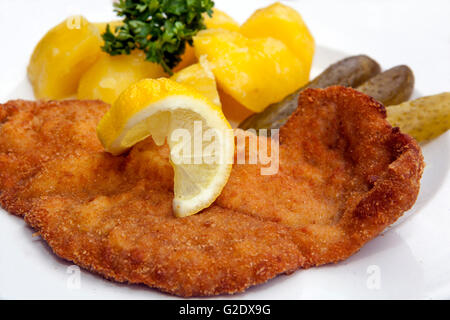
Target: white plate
410,260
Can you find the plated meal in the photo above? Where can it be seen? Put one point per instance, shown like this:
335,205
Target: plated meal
127,163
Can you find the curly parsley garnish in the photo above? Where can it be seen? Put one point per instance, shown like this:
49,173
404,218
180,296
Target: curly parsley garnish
160,28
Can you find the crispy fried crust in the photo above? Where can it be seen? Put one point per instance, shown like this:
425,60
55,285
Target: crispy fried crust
344,176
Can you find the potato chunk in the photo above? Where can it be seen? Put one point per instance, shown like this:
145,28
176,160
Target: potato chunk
285,24
187,58
221,20
62,56
255,72
233,110
110,75
199,77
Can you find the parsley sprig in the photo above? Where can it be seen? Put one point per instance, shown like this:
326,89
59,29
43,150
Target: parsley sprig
160,28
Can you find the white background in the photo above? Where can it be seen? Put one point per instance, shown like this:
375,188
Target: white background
413,257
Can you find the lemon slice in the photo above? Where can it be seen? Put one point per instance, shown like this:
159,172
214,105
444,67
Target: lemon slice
200,139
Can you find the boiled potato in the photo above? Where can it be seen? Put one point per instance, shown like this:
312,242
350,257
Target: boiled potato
255,72
233,110
187,58
220,20
285,24
110,75
62,56
199,77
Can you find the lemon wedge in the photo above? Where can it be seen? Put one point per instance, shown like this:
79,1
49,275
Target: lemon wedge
200,138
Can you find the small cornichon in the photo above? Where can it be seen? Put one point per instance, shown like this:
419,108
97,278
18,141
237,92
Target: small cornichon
160,28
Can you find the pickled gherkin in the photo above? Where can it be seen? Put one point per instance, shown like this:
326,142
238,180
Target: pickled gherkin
424,118
390,87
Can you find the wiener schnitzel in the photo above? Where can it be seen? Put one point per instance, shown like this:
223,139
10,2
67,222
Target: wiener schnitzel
344,175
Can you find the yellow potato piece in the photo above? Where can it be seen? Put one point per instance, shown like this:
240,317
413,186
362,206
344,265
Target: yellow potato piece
424,118
187,58
255,72
110,75
285,24
199,77
220,20
233,110
62,56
